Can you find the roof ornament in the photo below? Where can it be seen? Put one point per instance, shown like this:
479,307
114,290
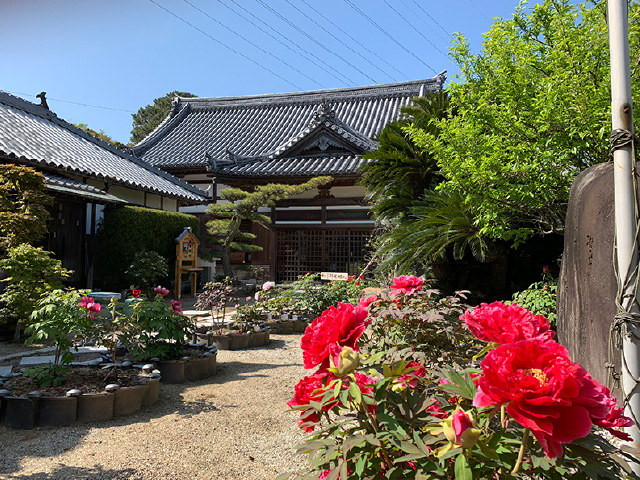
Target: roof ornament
174,106
211,162
232,156
43,100
323,113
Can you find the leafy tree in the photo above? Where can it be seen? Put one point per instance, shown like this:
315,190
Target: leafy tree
242,205
30,272
23,206
101,135
149,117
401,171
532,111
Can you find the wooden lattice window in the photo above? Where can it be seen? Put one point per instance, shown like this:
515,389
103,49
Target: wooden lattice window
302,251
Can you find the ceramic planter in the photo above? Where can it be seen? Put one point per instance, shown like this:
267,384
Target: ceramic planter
196,369
95,407
56,411
20,413
172,371
128,400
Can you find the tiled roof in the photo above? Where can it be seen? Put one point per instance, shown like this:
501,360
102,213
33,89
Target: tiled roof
199,130
75,187
291,166
34,135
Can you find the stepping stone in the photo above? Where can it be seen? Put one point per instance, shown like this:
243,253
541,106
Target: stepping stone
5,370
89,350
42,360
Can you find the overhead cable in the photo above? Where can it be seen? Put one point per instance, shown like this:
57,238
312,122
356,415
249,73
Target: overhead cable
432,19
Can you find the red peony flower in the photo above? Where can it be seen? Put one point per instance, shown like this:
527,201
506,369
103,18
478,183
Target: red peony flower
160,290
406,284
366,301
136,293
176,307
311,388
544,391
410,379
343,325
90,305
500,323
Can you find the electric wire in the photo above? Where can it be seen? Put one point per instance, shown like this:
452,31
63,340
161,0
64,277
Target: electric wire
480,10
74,103
432,19
226,46
411,25
277,39
293,25
425,23
357,43
370,20
252,43
337,39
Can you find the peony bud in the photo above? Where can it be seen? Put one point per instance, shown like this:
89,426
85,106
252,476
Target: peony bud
344,360
459,430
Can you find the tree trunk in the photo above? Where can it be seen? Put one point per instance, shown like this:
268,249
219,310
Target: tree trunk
226,262
16,334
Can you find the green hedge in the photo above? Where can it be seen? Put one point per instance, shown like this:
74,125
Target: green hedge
126,231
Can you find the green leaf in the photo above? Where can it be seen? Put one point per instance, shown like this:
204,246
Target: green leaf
462,469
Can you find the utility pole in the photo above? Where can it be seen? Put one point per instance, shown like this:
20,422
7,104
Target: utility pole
625,199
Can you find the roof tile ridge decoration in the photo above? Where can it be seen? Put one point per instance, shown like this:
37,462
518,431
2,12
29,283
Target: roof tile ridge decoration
328,118
37,110
316,96
179,110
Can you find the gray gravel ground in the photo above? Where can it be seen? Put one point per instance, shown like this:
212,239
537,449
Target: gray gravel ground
234,425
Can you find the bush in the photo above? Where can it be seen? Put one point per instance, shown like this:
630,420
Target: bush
541,297
127,231
146,270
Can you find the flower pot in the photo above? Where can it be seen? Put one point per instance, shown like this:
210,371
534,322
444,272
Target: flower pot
299,326
203,337
285,327
239,341
213,361
57,411
95,407
196,369
152,393
267,334
220,341
128,400
256,340
20,413
172,371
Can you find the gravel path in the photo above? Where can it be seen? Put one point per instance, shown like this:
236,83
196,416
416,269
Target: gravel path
234,425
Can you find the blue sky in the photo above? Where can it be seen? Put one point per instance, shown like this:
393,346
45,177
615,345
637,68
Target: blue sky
100,61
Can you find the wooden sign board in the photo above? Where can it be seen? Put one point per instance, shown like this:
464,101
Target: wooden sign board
333,276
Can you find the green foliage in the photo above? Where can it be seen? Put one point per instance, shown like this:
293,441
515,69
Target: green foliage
23,206
401,171
146,269
101,135
532,111
47,375
241,205
437,223
59,320
148,118
127,231
30,272
541,298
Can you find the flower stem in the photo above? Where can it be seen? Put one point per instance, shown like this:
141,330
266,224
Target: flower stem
523,449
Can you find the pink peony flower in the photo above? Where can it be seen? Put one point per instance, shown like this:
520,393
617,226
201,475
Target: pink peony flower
90,305
500,323
176,307
159,290
366,301
459,430
257,296
342,325
248,299
267,285
407,284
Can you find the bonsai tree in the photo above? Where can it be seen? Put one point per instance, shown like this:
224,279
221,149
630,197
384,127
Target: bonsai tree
242,205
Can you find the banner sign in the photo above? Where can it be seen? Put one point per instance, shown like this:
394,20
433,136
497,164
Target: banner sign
334,276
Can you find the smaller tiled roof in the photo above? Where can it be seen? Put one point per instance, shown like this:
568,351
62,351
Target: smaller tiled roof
76,188
291,166
35,135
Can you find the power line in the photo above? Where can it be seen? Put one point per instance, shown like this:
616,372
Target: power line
432,19
255,45
225,45
341,42
74,103
407,7
275,38
358,43
479,9
388,35
283,18
411,25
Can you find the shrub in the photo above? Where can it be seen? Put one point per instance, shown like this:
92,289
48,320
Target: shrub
541,297
126,231
146,270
